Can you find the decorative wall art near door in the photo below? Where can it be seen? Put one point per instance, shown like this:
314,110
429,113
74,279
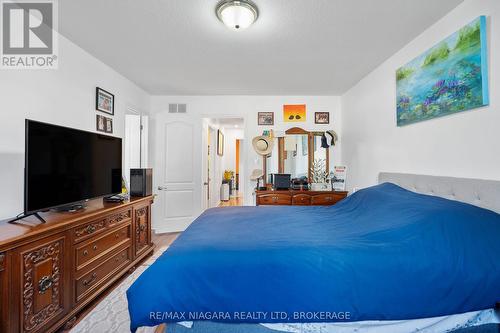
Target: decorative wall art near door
450,77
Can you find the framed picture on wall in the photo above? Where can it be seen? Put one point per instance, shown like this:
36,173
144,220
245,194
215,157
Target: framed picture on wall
109,125
321,117
294,113
220,143
104,101
100,123
104,124
265,118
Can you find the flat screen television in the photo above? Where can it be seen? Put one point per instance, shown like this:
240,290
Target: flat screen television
65,166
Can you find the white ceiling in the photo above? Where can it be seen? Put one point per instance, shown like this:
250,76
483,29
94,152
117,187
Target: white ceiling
296,47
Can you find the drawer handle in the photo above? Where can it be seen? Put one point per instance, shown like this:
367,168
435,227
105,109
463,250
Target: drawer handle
90,229
328,198
117,235
86,283
44,284
85,252
94,247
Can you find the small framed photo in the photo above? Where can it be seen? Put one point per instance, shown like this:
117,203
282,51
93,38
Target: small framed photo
109,125
104,101
321,117
220,143
104,124
265,118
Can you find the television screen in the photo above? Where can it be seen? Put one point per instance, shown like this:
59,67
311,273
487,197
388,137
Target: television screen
65,166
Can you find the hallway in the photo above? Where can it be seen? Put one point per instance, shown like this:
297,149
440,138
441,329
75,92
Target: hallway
235,200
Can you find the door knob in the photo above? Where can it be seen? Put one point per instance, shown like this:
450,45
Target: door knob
162,188
205,183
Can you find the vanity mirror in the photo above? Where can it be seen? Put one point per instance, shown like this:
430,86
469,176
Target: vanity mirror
295,154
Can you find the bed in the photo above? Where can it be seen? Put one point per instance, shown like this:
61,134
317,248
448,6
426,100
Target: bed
386,255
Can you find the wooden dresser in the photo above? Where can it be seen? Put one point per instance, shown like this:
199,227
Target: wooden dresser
299,198
49,272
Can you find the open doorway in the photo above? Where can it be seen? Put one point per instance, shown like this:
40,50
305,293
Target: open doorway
222,162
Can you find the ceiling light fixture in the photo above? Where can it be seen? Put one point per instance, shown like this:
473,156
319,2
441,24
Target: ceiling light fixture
237,15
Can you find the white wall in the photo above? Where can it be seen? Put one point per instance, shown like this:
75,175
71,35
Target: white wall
65,96
199,107
466,144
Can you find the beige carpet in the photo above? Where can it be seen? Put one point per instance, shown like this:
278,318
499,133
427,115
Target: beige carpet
111,314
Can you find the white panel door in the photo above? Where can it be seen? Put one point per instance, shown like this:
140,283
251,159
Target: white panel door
175,207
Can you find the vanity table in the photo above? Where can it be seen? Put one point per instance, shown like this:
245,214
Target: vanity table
298,198
295,154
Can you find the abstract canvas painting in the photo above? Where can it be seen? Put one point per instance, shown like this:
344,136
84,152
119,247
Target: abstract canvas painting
450,77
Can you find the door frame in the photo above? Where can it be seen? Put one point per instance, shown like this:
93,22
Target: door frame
143,141
206,120
209,191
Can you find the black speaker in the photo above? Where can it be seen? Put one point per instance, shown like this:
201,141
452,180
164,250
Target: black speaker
141,182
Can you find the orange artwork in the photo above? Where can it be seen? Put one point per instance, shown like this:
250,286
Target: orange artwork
294,113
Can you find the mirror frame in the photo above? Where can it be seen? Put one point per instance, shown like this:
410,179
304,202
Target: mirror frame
327,162
282,152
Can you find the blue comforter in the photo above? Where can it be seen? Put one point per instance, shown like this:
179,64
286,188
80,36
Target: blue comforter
384,253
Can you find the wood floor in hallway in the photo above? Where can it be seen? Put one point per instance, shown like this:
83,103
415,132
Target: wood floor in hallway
233,201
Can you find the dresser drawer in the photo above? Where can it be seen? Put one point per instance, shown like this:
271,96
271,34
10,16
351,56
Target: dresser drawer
325,199
274,199
89,230
95,248
101,274
98,226
301,200
120,217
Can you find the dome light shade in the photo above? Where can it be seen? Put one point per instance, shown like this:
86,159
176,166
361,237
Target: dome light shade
237,15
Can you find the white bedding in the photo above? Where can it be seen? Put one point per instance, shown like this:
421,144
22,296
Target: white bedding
426,325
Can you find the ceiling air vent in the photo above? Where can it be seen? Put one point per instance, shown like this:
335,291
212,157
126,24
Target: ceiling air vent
177,108
181,108
172,108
